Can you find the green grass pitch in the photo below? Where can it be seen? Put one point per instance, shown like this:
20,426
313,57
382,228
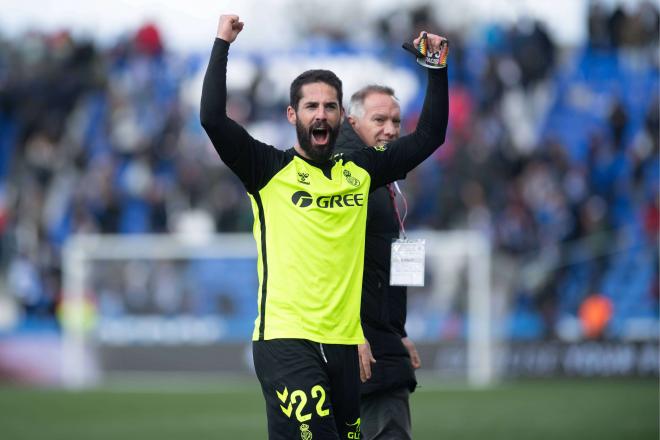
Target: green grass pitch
232,408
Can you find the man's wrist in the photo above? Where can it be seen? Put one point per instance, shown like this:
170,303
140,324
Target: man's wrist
220,44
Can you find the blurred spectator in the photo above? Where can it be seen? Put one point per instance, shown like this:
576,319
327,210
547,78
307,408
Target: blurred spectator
618,120
595,313
148,40
597,26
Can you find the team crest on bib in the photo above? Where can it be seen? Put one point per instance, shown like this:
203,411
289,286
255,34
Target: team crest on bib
350,179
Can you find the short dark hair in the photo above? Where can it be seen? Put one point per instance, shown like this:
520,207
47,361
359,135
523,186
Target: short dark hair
314,76
356,106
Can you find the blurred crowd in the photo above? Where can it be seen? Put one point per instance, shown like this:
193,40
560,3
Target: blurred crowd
551,153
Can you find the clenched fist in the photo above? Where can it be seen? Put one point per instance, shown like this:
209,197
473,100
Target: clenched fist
229,27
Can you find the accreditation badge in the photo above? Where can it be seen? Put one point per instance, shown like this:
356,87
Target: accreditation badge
407,264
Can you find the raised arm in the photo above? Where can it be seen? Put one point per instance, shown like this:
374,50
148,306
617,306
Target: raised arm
213,114
404,154
253,161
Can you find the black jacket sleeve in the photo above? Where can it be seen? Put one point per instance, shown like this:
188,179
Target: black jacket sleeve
254,162
404,154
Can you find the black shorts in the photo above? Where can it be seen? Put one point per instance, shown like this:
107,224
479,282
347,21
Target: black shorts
312,390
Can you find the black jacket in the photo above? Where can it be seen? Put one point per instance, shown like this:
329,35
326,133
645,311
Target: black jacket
383,310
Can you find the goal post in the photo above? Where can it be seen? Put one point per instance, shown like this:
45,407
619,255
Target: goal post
89,326
80,367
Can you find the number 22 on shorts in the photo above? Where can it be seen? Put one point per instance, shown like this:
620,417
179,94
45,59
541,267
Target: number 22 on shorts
298,399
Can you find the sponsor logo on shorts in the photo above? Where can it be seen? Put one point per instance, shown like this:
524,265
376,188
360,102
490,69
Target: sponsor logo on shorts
354,429
283,397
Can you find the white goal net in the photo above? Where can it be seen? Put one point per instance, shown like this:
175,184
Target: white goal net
167,303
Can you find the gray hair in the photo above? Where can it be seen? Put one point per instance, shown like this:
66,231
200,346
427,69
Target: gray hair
356,106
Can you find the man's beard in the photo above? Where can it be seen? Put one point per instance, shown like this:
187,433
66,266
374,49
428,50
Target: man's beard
317,153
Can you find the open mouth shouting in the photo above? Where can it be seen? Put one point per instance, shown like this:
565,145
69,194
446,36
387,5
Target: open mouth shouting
320,133
317,140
